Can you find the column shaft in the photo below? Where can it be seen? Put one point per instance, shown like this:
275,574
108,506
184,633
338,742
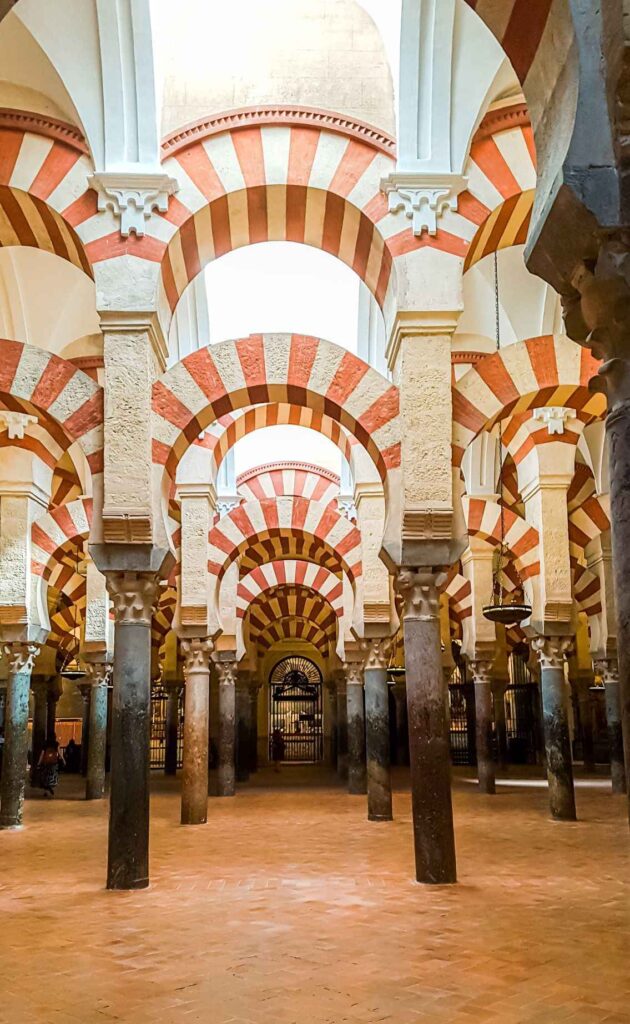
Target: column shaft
557,742
243,733
21,658
196,721
227,728
357,770
402,738
500,724
253,734
40,722
379,781
171,730
85,690
609,671
342,732
483,726
618,433
95,781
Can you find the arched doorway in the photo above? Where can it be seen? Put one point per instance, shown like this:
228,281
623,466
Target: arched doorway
295,707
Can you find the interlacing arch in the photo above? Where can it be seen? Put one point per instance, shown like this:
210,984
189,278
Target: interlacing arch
291,602
51,535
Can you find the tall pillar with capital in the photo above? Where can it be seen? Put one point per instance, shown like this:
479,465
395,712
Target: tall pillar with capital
357,770
173,693
609,670
342,728
196,653
551,651
134,595
402,739
482,679
20,657
434,837
379,779
227,671
100,674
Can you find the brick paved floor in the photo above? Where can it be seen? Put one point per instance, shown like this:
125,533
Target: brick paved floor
290,908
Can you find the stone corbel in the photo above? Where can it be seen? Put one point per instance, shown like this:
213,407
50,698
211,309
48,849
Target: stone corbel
423,196
16,423
132,197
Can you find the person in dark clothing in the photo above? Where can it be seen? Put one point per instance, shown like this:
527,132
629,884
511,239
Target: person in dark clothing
48,765
277,748
72,756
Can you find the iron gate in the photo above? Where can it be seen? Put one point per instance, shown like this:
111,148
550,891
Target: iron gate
462,734
295,710
159,700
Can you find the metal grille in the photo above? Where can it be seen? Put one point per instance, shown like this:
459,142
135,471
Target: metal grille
462,707
159,700
521,722
295,710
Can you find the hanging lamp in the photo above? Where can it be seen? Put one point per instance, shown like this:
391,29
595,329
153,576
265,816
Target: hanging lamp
500,609
71,669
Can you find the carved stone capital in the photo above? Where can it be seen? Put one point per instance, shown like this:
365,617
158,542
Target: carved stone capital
16,423
227,672
418,590
608,669
134,596
196,652
376,651
99,675
354,673
133,197
481,672
20,656
551,650
423,197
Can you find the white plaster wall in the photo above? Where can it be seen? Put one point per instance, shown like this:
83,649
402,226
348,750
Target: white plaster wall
28,79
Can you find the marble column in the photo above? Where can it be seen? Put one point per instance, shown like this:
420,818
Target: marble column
379,780
254,690
551,651
429,748
133,594
99,682
482,680
342,729
609,671
85,689
227,671
357,769
40,722
402,739
196,652
20,658
173,692
243,730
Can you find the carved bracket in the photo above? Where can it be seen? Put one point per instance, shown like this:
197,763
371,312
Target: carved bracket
423,197
551,650
133,197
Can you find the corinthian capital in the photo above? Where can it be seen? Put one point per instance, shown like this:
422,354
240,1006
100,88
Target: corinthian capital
134,595
227,672
551,650
99,674
376,651
196,652
418,590
20,657
481,671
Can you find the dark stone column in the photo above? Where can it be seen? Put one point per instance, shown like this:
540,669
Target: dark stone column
498,693
227,671
551,651
609,671
482,678
85,689
95,781
3,704
434,838
402,736
342,728
253,731
20,657
40,722
357,769
196,652
379,780
133,595
243,728
332,692
52,699
585,705
173,692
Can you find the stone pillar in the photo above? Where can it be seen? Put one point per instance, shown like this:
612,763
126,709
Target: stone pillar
499,687
196,653
173,691
85,689
20,657
95,781
357,770
434,837
585,705
379,781
227,671
332,695
609,671
482,679
551,651
342,729
243,730
254,689
402,737
133,595
40,722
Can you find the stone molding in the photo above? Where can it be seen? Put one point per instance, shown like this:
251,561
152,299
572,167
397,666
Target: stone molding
427,523
552,650
133,196
269,467
554,417
16,423
20,657
419,593
133,595
196,652
468,357
42,124
246,117
411,323
423,195
502,119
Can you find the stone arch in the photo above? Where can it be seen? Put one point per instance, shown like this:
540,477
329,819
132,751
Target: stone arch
483,519
278,479
49,535
289,572
296,629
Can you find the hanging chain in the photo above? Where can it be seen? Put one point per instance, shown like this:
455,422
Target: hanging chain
498,587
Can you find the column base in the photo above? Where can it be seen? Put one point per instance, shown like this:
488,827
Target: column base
380,817
11,828
137,883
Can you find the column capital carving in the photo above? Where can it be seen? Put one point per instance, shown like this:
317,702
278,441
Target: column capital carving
418,590
196,652
354,673
132,197
608,669
376,652
551,650
133,595
99,674
481,671
227,672
423,195
20,656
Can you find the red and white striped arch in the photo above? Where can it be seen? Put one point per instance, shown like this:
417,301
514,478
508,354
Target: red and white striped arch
290,545
549,370
459,592
279,479
295,629
268,368
289,572
483,519
586,589
52,531
291,602
290,516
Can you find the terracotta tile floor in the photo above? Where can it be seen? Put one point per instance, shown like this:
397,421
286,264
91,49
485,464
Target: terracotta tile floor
290,908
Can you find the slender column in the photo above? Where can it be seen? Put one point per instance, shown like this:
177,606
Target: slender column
585,704
342,729
482,671
133,595
173,692
196,653
357,770
609,671
52,699
243,731
85,689
20,657
379,780
434,837
95,781
40,716
253,721
402,739
551,652
227,671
